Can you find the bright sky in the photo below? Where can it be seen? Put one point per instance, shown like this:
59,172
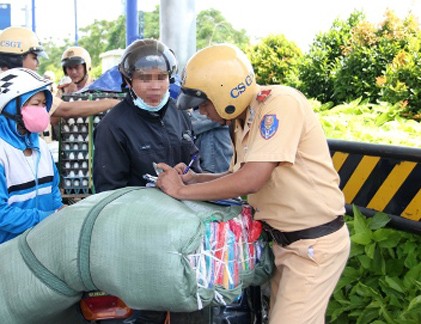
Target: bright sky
298,20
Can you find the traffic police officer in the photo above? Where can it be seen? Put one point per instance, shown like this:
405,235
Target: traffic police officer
282,163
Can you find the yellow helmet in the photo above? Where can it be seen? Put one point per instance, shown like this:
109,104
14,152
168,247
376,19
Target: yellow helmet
76,55
15,43
222,74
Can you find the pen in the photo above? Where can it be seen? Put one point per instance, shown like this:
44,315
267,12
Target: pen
194,157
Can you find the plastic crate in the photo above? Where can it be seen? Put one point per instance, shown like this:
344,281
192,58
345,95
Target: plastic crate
76,148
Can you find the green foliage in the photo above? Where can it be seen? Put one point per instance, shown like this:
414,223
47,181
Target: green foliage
362,121
96,38
275,60
381,282
102,36
370,51
401,81
356,59
213,28
151,24
318,67
53,63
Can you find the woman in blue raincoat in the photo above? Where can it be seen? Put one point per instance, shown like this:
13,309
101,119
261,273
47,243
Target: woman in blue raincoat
29,180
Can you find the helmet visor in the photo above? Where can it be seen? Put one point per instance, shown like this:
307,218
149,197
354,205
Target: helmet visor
72,61
149,62
190,98
38,51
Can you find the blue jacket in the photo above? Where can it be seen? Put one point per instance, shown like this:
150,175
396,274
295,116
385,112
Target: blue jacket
214,143
29,192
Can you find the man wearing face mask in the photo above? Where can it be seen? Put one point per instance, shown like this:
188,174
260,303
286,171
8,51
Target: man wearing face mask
29,190
145,127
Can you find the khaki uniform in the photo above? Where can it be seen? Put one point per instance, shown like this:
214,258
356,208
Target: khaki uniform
303,192
56,102
47,135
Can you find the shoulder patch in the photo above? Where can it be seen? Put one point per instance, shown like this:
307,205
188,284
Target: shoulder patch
263,95
269,126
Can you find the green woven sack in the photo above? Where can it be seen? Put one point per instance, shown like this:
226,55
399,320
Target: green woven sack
134,243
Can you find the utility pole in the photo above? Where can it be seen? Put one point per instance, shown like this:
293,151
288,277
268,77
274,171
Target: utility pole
76,27
34,28
132,22
177,20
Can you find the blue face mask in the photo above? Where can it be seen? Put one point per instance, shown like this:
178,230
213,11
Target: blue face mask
143,105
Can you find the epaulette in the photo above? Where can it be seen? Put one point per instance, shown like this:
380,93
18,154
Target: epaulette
263,95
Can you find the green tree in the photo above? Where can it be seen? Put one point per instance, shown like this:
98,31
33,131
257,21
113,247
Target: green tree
368,53
357,59
213,28
275,60
102,36
318,67
400,81
53,63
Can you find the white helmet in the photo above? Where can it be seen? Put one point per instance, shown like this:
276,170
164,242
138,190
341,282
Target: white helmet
19,81
76,55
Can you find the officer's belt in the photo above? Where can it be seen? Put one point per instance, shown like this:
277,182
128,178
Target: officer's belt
286,238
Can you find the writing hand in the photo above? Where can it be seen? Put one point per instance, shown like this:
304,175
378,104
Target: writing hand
169,180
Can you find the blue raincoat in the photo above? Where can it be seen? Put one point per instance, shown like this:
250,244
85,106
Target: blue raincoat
29,186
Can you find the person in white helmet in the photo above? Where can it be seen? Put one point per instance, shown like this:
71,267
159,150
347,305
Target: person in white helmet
20,47
283,165
29,180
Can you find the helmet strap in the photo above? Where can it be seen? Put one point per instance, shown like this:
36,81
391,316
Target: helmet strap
127,81
132,94
18,117
83,79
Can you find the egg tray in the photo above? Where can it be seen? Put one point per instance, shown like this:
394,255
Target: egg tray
76,148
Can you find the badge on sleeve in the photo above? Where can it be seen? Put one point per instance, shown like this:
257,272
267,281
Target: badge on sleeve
268,126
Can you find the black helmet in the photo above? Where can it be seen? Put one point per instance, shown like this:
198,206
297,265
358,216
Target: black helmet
147,54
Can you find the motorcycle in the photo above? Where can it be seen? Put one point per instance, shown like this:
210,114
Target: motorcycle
100,307
250,308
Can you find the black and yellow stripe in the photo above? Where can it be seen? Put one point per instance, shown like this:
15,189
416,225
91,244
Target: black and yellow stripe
383,178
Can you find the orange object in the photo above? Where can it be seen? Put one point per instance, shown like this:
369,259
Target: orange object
100,306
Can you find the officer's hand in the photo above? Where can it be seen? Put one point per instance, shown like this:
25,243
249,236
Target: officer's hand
169,180
187,177
180,167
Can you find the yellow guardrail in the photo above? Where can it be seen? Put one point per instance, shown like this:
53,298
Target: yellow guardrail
381,178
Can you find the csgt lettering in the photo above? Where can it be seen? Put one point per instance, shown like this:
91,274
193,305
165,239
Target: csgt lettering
242,86
9,43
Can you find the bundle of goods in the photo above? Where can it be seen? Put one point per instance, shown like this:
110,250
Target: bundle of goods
229,249
152,251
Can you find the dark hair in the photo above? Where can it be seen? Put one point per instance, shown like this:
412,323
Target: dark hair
11,61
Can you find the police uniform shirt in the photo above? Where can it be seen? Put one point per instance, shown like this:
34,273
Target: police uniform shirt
303,190
56,102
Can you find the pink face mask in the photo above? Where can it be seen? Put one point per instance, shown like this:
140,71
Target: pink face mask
35,118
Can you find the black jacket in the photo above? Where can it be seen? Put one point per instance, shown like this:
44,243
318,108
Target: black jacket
128,139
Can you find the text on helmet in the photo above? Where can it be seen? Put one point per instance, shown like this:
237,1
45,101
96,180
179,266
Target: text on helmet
11,44
242,86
